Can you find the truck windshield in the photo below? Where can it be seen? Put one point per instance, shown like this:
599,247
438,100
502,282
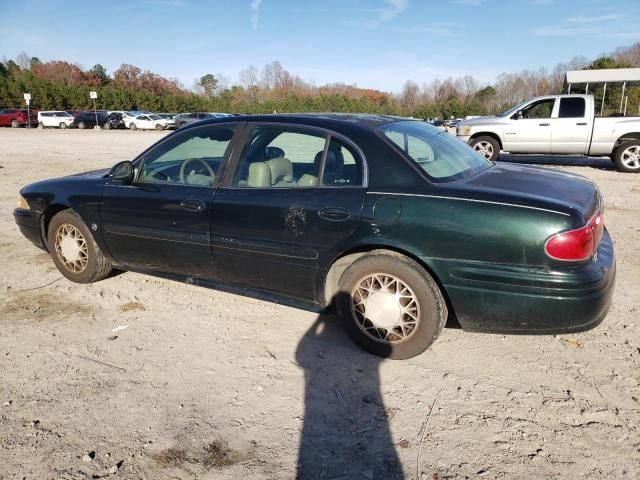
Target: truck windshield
442,157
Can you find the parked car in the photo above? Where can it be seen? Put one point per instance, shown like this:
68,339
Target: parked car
54,118
396,224
185,119
556,125
16,117
149,122
104,120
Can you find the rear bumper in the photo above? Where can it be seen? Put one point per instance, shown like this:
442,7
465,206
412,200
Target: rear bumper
504,299
30,224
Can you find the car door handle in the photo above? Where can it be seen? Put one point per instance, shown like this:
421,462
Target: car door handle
544,124
192,205
581,123
334,214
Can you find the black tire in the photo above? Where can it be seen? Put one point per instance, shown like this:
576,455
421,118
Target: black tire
431,313
41,125
182,124
81,125
159,127
63,125
486,146
107,126
95,265
133,126
14,124
626,157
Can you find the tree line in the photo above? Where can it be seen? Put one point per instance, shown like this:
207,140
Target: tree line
64,85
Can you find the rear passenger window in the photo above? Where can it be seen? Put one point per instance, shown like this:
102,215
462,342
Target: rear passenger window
342,168
572,107
280,157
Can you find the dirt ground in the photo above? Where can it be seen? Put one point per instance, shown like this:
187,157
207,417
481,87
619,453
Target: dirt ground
137,377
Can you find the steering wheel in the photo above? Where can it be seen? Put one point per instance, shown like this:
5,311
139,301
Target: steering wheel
183,168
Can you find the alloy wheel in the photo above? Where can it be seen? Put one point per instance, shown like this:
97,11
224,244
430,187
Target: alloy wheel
385,308
484,148
630,157
71,248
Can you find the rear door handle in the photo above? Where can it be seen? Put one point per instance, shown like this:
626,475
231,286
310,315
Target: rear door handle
192,205
581,123
544,124
334,214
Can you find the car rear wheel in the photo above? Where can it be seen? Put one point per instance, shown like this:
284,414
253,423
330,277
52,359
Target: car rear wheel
74,251
486,146
133,126
40,125
627,157
63,125
15,124
390,305
107,126
81,125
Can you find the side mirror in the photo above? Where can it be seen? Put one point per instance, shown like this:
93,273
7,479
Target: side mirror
122,171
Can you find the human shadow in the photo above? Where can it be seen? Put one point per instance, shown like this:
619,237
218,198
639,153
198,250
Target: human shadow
601,163
346,432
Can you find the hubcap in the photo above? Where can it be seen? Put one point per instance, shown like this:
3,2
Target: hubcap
71,248
385,308
484,148
631,157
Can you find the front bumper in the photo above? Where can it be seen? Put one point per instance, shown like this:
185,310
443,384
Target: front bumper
30,225
509,299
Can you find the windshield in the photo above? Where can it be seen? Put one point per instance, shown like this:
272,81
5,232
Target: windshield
443,157
512,110
155,117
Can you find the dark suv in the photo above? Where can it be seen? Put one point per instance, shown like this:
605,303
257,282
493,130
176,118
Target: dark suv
17,117
104,120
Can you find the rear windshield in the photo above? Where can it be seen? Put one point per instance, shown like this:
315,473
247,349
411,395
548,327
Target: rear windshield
443,157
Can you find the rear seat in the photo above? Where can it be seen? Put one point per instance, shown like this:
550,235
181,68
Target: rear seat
277,172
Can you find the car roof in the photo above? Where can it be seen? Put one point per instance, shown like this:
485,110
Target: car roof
364,120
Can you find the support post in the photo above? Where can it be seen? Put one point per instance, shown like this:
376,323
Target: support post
624,84
604,94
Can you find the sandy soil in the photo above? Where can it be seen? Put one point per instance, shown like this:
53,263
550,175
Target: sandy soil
139,377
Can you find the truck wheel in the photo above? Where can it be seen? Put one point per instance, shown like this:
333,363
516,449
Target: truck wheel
627,157
107,126
390,305
15,124
74,251
486,146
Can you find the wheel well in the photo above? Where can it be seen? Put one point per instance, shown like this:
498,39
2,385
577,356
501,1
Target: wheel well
341,263
488,134
49,213
626,137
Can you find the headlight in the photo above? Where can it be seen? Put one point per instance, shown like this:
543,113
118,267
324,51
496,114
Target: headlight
22,203
464,130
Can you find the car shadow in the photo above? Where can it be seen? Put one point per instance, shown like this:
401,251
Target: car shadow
345,431
602,163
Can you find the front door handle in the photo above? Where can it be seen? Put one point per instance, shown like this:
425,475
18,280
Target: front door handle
192,205
581,123
334,214
544,124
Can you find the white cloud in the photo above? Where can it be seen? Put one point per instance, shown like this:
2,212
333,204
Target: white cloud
595,26
383,14
582,19
255,14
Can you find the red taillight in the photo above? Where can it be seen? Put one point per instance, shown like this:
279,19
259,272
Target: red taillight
579,244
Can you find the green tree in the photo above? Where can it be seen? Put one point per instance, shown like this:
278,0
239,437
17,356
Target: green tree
209,83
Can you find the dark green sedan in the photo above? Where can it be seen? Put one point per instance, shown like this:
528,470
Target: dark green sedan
397,225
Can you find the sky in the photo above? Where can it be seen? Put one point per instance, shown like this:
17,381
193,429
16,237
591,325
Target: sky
370,43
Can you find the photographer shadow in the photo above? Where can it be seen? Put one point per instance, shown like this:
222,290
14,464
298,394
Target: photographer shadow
346,431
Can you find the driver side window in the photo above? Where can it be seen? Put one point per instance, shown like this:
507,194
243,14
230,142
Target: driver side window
193,157
541,109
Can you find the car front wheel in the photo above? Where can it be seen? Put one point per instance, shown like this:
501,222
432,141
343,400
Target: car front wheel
74,251
133,126
390,305
486,146
81,125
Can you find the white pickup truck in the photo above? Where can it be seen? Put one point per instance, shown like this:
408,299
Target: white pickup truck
556,125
